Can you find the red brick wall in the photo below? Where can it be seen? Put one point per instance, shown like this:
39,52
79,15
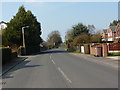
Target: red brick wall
103,46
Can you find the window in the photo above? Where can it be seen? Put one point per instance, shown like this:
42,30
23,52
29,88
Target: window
110,34
2,26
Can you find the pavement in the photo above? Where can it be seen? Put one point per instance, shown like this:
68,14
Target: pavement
12,64
58,69
111,61
114,57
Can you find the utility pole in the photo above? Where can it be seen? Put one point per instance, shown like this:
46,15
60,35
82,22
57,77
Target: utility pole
23,34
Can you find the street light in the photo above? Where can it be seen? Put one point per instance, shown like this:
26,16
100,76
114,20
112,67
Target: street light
24,38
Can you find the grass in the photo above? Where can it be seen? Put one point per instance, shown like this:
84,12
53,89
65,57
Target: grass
2,47
75,52
114,54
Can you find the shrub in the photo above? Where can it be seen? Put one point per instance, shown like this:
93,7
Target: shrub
71,49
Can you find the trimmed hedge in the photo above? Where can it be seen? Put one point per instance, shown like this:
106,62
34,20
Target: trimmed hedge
6,55
13,55
32,49
29,50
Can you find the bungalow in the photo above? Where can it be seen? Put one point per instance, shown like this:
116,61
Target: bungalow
111,34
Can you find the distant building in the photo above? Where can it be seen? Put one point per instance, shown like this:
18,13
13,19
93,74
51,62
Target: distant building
3,25
111,34
104,35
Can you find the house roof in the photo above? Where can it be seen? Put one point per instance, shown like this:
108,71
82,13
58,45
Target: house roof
118,24
3,22
113,28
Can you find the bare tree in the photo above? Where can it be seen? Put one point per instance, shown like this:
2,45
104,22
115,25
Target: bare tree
91,29
54,39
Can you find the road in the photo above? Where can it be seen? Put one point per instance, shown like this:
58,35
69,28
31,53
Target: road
58,69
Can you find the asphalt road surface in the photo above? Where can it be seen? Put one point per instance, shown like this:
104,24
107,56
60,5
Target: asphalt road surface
58,69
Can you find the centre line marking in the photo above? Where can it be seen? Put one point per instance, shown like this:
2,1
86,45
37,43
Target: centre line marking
64,75
53,62
50,57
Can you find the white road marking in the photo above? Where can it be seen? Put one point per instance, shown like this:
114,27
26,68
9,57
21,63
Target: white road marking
53,62
64,75
50,57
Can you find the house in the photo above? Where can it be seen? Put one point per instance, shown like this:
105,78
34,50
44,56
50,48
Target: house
111,34
104,35
3,25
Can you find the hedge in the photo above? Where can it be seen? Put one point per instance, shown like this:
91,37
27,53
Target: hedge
13,55
7,55
32,49
29,50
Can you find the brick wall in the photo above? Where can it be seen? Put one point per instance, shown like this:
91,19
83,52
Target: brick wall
104,50
100,48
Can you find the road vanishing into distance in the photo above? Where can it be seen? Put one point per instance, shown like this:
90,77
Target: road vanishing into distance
58,69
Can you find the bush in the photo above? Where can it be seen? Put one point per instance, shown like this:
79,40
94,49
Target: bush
21,50
6,55
71,49
114,54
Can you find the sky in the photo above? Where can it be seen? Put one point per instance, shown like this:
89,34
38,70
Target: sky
62,16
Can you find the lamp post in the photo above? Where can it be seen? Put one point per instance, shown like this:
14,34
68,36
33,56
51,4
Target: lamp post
24,38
